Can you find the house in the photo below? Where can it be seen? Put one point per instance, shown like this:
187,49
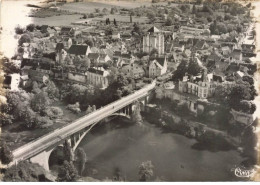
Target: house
67,31
225,51
115,35
133,70
98,76
97,58
200,45
157,67
202,86
79,50
236,55
121,58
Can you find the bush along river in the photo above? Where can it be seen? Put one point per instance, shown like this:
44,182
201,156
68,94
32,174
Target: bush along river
115,149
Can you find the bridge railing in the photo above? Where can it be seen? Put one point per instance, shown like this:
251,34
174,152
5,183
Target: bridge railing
149,86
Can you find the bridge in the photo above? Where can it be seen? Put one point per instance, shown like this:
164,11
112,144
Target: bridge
39,150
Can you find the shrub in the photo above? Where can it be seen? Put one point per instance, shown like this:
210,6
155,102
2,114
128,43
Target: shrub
6,154
30,27
53,112
19,30
74,108
43,122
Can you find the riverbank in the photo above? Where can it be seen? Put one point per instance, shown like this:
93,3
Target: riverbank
208,138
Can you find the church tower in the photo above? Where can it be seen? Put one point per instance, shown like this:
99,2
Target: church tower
153,39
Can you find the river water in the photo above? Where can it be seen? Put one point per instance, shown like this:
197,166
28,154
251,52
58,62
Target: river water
124,145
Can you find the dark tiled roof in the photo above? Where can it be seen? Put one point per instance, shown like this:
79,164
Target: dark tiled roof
160,60
217,78
66,29
93,55
127,56
78,49
117,53
7,80
153,30
97,71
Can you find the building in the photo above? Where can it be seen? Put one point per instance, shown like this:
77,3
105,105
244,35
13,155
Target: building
98,76
157,67
153,39
202,86
67,31
133,70
97,58
79,50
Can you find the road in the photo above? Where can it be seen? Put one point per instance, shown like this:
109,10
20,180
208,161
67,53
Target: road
30,149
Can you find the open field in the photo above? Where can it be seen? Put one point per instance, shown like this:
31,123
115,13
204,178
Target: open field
89,7
62,20
122,18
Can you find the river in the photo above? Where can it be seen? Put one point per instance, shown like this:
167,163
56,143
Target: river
124,145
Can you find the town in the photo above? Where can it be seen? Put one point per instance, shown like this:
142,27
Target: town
186,67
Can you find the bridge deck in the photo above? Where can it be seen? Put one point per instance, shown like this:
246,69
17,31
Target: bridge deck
30,149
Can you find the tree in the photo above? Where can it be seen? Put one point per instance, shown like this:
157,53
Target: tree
52,90
81,159
194,10
9,66
154,52
76,93
239,92
19,30
25,38
6,155
180,71
137,29
131,20
40,102
209,19
30,27
239,28
227,17
25,171
169,21
97,10
219,18
145,171
105,10
113,10
68,152
221,94
151,16
89,42
248,79
194,68
67,172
